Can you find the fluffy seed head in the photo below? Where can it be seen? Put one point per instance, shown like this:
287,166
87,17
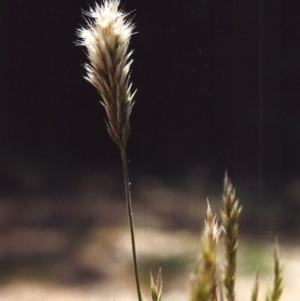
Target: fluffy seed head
106,38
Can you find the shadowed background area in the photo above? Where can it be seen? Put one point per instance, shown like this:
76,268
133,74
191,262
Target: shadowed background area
197,70
218,88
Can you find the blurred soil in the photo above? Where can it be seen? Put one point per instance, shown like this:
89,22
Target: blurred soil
76,246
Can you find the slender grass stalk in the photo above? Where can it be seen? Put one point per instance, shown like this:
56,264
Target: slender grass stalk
130,218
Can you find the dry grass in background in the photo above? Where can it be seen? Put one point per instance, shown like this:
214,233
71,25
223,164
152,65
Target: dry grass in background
76,247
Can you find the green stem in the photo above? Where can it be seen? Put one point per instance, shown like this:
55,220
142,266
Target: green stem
130,217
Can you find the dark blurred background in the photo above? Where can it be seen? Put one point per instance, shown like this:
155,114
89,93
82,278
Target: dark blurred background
218,87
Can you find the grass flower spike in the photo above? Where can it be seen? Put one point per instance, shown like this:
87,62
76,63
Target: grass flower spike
230,216
106,38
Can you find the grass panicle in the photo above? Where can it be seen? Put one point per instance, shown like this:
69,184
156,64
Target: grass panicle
106,38
204,283
277,287
230,215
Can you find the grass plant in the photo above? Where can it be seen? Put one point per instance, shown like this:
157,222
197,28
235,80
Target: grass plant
106,38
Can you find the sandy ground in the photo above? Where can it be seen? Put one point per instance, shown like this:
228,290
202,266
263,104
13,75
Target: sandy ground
79,249
117,284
